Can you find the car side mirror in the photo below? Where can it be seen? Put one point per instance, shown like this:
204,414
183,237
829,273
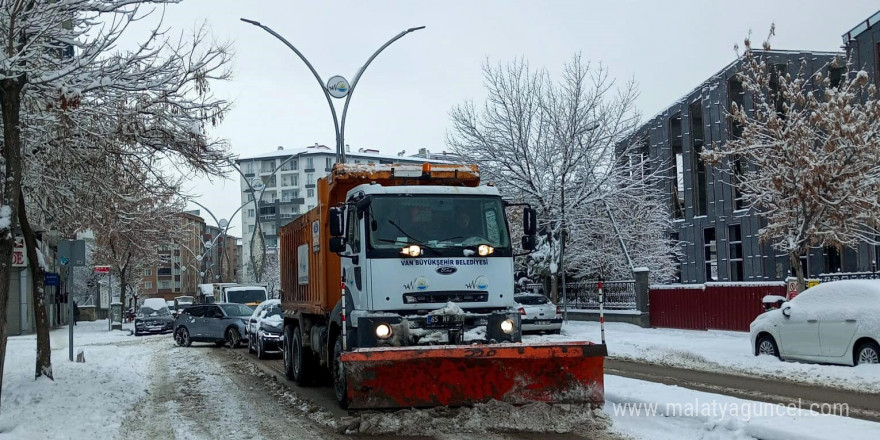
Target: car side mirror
337,227
530,223
529,243
337,244
786,311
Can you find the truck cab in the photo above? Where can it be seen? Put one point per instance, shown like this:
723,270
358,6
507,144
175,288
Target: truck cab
427,265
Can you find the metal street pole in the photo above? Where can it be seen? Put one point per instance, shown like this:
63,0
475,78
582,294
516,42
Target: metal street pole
70,313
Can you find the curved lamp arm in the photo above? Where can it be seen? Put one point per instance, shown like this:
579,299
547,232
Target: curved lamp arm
354,82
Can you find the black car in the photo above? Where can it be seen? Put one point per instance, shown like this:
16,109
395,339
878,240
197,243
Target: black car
153,317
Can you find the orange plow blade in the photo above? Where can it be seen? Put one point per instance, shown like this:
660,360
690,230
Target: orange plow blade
403,377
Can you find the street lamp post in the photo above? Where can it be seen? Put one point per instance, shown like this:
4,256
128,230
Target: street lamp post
337,86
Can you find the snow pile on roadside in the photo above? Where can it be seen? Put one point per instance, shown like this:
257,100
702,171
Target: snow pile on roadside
656,411
482,418
86,400
714,350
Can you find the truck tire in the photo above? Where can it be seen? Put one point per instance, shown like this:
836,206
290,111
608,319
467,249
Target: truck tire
303,361
337,371
285,351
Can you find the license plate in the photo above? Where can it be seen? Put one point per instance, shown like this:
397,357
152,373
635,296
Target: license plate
542,322
444,319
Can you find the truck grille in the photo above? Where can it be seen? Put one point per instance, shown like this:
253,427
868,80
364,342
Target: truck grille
441,297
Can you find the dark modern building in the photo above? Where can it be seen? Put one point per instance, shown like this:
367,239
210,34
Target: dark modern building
718,236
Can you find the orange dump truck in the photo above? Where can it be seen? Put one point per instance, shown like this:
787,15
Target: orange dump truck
400,283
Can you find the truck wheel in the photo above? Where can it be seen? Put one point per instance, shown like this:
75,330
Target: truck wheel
285,350
337,370
303,361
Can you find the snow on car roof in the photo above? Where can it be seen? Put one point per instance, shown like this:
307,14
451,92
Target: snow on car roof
154,303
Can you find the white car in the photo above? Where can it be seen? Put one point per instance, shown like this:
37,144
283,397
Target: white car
538,313
264,328
836,322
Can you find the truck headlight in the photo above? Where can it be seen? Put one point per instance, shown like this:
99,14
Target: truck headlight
485,249
383,331
411,250
507,326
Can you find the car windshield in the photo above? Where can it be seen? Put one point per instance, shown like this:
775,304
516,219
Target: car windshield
149,311
531,300
438,222
237,310
246,296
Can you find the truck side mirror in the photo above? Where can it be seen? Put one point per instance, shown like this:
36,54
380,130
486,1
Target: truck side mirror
529,242
337,244
530,223
337,225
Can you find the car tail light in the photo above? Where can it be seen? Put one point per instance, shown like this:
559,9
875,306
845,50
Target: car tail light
522,311
558,310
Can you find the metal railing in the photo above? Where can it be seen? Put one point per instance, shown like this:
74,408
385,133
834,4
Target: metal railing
619,295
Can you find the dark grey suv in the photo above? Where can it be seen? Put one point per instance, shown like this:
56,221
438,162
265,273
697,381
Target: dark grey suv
220,323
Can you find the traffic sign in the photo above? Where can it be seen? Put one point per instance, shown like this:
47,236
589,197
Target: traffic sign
102,269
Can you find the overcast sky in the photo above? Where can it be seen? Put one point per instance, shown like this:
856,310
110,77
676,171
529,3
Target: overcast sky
403,100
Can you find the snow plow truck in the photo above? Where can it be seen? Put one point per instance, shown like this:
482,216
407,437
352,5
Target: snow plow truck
400,284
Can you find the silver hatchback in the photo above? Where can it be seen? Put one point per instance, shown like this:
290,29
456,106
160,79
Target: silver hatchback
220,323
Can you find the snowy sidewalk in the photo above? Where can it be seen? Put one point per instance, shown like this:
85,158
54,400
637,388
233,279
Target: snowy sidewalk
722,351
87,400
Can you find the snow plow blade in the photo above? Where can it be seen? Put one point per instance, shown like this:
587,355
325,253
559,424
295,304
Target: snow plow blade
421,377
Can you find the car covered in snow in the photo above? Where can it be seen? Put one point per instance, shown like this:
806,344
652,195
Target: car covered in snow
220,323
153,317
538,313
837,322
264,328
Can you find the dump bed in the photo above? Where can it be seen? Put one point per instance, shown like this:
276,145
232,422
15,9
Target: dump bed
310,275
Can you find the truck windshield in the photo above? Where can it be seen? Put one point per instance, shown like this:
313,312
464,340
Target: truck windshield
246,296
439,222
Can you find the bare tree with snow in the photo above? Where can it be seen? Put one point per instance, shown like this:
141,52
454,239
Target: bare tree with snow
553,144
64,90
812,150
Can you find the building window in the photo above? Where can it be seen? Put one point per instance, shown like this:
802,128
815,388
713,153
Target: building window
148,285
295,180
329,162
251,213
268,166
677,259
250,229
163,271
711,254
734,239
269,181
310,163
835,74
779,70
310,178
740,167
148,272
832,259
250,197
267,210
735,95
310,192
677,184
699,177
249,167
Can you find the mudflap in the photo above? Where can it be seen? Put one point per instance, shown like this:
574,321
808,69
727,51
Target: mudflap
421,377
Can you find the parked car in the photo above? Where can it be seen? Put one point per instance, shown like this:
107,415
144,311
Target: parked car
153,317
836,322
264,328
220,323
538,313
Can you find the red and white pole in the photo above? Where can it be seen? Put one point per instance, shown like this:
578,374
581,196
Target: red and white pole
344,323
601,311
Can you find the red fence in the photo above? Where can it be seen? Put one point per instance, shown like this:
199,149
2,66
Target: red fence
719,306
